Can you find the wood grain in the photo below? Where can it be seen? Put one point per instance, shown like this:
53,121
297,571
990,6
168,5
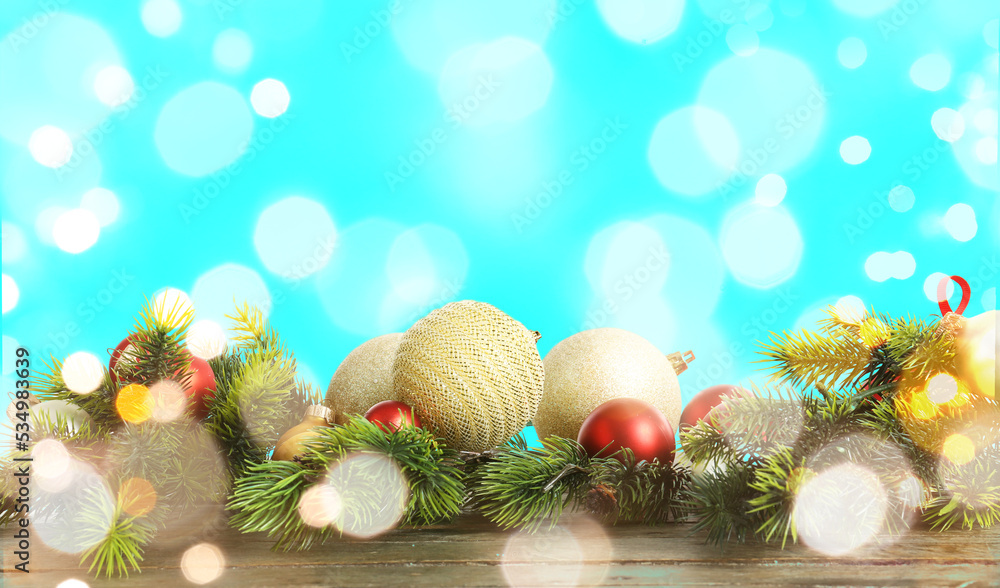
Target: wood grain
475,553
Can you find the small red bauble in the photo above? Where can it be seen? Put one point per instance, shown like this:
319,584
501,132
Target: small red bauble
631,423
703,403
391,415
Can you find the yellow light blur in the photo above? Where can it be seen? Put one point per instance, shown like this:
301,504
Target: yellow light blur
919,406
134,403
959,449
137,496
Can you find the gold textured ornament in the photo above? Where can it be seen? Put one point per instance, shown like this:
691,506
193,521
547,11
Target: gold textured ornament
976,351
364,378
471,372
291,443
592,367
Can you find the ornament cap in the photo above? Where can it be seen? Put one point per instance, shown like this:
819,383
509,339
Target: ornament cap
318,410
680,360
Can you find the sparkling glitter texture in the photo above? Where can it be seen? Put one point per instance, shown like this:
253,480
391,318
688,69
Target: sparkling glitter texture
364,378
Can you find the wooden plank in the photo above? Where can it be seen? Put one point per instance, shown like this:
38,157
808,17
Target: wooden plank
476,553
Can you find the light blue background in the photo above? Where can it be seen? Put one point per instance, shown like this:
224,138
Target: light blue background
472,221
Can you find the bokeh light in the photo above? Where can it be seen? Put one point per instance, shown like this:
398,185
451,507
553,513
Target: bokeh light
167,402
960,222
51,464
170,304
497,82
429,32
901,198
113,85
72,583
102,203
864,8
295,237
770,190
320,505
762,245
641,21
958,449
15,245
373,493
941,388
82,372
775,105
855,150
59,413
976,149
270,98
882,265
137,496
931,286
217,292
11,293
948,124
203,563
232,50
852,52
693,150
82,488
161,18
203,128
931,72
51,71
575,552
206,339
51,146
742,40
134,403
76,230
840,509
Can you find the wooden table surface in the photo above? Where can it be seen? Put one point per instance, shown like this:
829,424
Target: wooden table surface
475,553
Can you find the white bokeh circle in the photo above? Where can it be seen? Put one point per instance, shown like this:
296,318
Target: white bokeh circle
103,203
960,222
270,98
232,50
497,82
76,230
82,372
693,150
641,21
931,72
113,85
855,150
852,52
295,237
11,294
222,289
161,18
51,146
762,245
882,265
203,128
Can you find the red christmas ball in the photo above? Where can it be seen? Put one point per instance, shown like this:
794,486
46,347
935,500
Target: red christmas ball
200,387
391,415
631,423
704,401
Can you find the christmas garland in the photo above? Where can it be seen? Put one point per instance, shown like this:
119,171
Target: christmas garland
854,398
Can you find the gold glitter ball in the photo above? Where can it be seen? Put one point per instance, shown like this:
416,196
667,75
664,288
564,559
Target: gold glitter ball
472,373
590,368
364,378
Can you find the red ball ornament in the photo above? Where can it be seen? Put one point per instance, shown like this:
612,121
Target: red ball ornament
392,415
201,385
704,401
631,423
